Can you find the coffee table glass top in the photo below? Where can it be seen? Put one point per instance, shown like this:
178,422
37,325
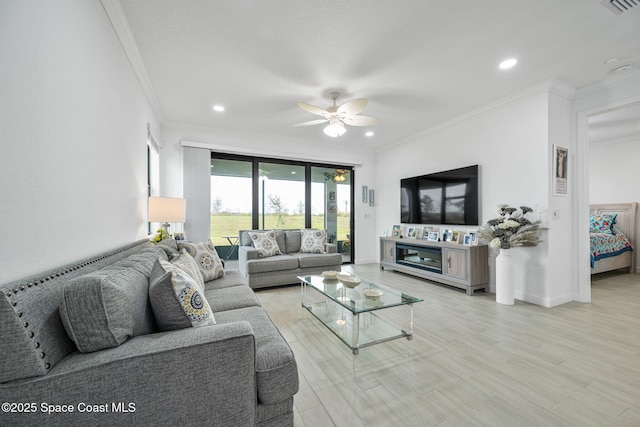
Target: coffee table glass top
361,298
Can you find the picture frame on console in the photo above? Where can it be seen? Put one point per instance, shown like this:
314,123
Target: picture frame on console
425,232
434,236
467,240
455,236
446,235
396,231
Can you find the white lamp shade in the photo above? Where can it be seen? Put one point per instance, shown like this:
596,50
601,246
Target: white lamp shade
167,209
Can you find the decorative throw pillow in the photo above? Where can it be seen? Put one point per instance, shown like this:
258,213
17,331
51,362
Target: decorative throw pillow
185,262
602,223
206,257
99,309
176,299
265,242
312,241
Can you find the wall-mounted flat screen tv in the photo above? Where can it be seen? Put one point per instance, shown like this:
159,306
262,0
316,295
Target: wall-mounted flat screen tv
448,198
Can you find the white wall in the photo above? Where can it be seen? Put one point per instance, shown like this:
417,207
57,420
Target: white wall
614,176
509,140
73,130
365,233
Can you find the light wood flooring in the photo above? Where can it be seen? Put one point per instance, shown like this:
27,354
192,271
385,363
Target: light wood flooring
473,362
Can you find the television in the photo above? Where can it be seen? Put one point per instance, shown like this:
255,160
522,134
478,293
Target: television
447,198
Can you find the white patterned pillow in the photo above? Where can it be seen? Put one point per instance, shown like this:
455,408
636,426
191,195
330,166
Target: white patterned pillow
206,257
176,299
265,242
312,241
188,264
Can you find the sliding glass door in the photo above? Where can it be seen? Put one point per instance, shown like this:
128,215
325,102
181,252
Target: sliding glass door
257,193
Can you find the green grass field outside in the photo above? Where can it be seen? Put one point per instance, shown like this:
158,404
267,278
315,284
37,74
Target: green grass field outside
224,224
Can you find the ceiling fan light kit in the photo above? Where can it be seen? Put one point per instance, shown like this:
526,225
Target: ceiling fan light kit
339,116
335,129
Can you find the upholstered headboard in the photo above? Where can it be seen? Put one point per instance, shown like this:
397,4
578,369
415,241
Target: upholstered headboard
626,219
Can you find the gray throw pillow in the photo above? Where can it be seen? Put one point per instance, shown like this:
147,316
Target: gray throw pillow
176,300
265,242
97,309
312,241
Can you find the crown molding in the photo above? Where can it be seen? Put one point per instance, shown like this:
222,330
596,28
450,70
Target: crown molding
554,86
114,11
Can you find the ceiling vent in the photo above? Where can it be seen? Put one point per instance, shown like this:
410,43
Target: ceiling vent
619,6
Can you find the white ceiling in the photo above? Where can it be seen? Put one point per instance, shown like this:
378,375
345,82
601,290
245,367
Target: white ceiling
418,62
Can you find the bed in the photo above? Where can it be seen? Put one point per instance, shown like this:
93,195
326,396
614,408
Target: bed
613,232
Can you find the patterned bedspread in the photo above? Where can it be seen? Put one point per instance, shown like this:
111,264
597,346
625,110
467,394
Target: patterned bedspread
605,245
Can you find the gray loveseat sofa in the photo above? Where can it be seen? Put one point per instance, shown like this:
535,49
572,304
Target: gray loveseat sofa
236,372
261,271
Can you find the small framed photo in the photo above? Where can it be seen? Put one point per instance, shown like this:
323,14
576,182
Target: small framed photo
365,194
371,198
433,236
396,231
446,235
412,232
474,238
425,232
467,240
560,172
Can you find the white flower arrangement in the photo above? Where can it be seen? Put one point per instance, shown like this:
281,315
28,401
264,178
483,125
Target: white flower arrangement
512,229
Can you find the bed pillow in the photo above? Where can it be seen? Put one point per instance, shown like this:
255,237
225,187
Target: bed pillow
602,223
176,299
312,241
206,257
265,242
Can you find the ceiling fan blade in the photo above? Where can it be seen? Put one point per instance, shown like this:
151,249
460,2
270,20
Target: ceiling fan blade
353,107
360,121
312,122
313,109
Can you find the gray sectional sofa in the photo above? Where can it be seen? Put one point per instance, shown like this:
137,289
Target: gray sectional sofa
237,372
283,269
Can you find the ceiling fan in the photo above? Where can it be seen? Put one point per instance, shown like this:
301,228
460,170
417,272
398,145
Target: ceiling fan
338,116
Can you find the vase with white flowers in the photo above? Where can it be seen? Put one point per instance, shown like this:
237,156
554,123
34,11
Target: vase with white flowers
512,229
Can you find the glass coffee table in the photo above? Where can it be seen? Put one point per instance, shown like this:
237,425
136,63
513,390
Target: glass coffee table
353,313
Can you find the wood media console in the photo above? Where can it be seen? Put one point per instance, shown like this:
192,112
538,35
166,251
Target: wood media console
465,267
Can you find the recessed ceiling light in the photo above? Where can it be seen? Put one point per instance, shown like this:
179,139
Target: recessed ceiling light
218,108
369,133
508,63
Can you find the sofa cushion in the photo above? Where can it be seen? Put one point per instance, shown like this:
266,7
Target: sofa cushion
232,278
231,298
292,241
276,369
274,263
176,299
265,242
206,258
312,241
186,263
98,309
318,260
